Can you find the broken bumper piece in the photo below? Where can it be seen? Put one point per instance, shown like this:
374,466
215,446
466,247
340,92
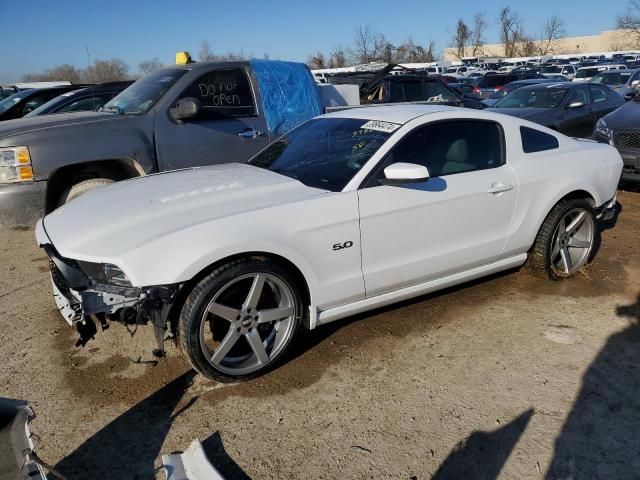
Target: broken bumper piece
17,457
193,464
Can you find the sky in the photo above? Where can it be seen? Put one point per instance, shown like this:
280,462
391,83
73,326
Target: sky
41,34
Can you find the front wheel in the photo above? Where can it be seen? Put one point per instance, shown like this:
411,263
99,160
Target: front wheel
565,241
238,321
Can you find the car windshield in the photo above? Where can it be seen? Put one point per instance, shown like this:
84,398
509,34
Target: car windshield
326,152
452,70
552,69
587,72
611,78
141,96
9,102
544,97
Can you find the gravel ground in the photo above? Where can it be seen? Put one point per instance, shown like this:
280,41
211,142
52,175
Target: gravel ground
508,377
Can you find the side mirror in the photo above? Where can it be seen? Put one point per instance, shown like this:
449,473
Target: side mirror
401,173
635,83
186,109
577,104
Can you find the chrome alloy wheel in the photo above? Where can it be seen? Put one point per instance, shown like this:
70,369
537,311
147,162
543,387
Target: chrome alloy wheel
247,323
572,242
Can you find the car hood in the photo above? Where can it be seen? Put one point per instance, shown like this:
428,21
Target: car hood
526,113
108,222
627,116
31,124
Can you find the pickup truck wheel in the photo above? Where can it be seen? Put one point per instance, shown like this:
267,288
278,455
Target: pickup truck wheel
238,321
565,241
82,187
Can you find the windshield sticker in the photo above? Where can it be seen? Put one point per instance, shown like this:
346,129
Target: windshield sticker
379,126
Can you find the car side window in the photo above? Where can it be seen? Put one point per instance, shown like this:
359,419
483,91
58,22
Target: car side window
536,141
84,104
579,95
599,94
225,93
447,148
37,100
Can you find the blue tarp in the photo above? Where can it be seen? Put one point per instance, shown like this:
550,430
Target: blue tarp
289,94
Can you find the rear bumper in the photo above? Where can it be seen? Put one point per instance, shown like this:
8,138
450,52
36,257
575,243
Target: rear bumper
22,204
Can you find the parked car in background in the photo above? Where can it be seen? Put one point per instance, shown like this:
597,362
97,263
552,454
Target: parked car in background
557,78
568,71
584,74
459,70
7,91
346,213
570,108
25,101
493,82
621,128
510,87
84,99
625,82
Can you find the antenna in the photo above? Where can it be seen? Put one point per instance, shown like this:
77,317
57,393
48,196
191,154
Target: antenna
93,99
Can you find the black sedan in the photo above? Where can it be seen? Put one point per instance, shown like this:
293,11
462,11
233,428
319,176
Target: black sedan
621,129
25,101
84,99
570,108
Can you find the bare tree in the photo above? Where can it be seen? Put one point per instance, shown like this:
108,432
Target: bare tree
511,33
338,58
369,46
148,66
205,54
478,31
527,46
316,61
107,71
553,31
631,20
61,72
460,38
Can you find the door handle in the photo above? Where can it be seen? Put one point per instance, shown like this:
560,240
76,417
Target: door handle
250,133
497,188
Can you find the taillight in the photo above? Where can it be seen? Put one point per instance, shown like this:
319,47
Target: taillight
475,90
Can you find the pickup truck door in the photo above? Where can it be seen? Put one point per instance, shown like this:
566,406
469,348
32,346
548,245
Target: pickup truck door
457,220
230,128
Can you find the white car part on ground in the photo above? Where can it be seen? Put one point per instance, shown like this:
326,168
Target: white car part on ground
193,464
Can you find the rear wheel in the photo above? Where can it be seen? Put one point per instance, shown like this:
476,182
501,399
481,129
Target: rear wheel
565,241
238,322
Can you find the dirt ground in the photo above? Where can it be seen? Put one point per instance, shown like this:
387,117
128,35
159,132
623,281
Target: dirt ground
509,377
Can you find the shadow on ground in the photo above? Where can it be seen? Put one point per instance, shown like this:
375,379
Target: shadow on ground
483,454
128,446
601,436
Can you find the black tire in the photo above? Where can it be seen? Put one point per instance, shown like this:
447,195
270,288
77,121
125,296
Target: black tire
193,311
81,187
539,261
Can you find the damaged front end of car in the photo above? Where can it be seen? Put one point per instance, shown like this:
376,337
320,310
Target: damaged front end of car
90,293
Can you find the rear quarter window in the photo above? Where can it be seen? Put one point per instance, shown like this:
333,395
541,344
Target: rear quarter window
536,141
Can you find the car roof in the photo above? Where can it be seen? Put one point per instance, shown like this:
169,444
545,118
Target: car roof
543,85
391,113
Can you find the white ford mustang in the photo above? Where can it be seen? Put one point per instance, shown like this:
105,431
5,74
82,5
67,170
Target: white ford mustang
348,212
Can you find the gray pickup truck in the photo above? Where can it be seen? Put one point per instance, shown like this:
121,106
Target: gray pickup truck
176,117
